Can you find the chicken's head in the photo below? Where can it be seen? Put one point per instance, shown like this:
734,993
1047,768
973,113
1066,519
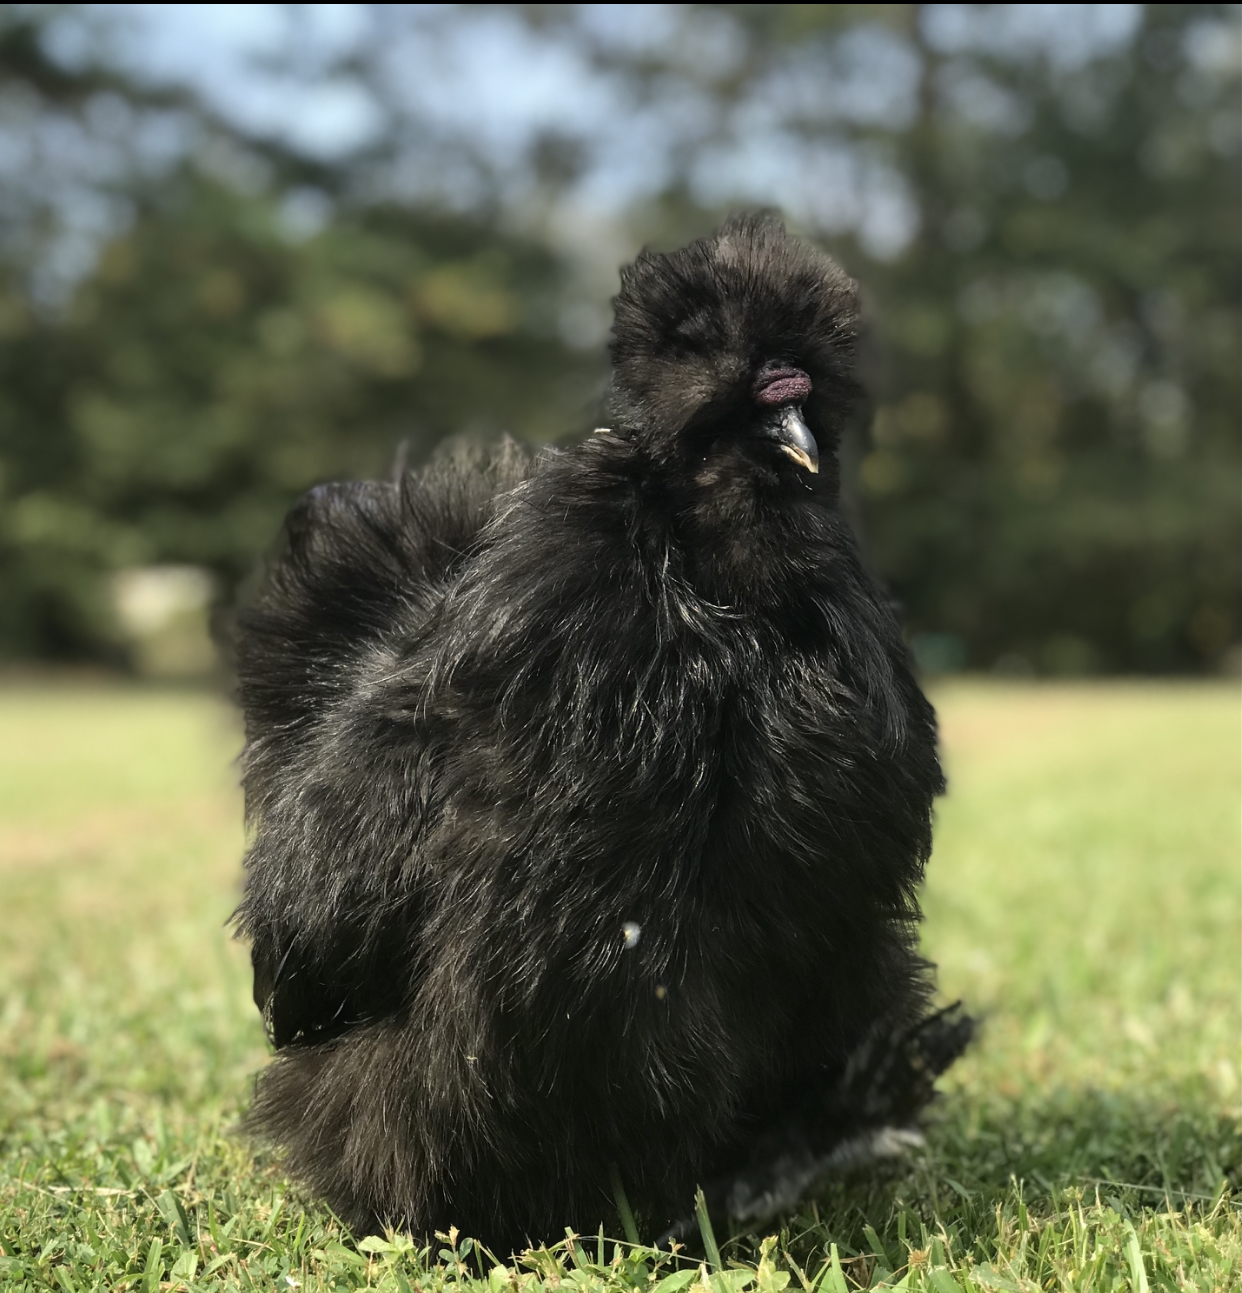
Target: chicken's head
734,357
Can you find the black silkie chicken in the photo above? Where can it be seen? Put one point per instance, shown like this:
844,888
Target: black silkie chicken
590,794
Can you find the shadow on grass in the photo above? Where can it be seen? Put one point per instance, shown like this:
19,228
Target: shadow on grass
1039,1152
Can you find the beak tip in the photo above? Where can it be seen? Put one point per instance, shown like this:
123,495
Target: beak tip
793,437
801,457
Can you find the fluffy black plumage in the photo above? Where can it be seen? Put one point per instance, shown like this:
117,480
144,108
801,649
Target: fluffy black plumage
590,795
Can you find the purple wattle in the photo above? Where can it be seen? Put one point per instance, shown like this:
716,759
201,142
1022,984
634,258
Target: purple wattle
785,386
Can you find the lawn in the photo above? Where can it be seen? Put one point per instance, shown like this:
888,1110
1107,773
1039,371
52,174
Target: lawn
1083,897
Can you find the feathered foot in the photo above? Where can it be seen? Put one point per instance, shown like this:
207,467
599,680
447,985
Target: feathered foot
871,1115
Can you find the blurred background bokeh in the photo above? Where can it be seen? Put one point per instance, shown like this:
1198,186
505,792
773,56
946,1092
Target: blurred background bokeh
246,248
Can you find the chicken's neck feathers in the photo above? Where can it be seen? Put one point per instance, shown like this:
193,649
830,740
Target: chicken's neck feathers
588,573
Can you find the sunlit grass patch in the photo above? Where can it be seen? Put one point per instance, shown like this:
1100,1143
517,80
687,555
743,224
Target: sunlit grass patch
1084,898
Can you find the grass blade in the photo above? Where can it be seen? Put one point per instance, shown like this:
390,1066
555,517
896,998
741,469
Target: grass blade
833,1278
1134,1251
154,1268
705,1229
623,1209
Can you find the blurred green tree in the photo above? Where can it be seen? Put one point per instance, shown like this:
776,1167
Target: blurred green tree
217,359
198,320
1044,218
1054,480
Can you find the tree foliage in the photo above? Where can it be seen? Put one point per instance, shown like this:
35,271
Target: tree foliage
216,361
1054,475
199,319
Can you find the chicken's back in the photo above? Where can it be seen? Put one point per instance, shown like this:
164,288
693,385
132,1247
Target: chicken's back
363,566
357,560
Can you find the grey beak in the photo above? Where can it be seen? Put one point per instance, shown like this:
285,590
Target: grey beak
794,437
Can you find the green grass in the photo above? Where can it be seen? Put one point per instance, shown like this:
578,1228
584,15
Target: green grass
1084,897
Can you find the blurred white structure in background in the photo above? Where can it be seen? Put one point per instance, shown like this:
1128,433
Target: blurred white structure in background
163,613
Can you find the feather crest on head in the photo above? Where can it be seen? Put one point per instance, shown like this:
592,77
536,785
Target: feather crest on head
694,327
